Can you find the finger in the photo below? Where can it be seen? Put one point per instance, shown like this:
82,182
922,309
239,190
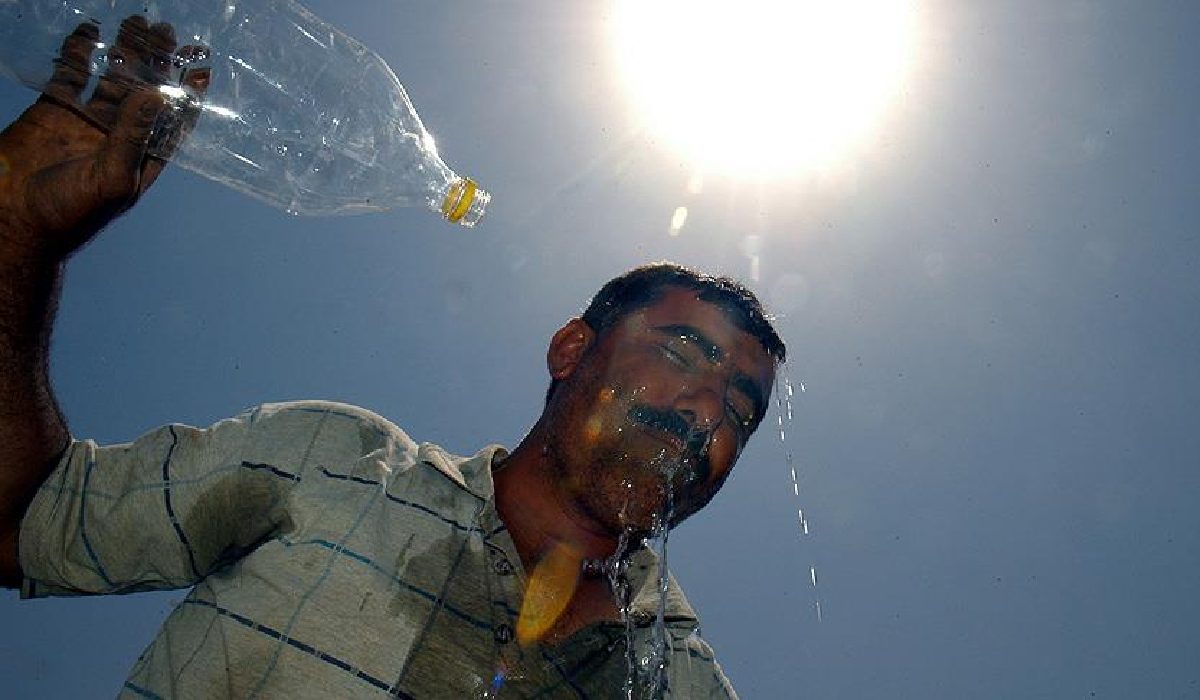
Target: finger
72,68
160,52
140,55
120,164
197,75
177,121
115,83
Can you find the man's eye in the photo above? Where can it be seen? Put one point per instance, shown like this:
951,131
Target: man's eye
743,421
675,356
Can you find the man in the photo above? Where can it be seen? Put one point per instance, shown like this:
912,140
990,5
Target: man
330,555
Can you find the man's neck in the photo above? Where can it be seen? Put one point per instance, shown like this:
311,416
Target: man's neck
538,516
548,530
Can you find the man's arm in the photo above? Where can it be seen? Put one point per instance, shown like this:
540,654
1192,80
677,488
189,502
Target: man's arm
67,169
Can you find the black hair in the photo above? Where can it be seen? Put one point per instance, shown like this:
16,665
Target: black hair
644,285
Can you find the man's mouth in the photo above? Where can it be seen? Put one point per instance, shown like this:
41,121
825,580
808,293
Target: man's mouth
672,430
675,445
664,426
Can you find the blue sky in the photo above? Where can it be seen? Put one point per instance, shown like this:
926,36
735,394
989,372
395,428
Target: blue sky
993,311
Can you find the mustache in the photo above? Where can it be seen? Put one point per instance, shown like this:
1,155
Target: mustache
695,442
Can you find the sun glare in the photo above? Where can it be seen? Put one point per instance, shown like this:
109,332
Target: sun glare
763,87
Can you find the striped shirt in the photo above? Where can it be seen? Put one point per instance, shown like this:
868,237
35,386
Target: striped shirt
330,556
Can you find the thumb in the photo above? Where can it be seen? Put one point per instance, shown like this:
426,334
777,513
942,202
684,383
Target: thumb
122,170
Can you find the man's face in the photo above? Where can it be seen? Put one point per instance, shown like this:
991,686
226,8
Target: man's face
656,411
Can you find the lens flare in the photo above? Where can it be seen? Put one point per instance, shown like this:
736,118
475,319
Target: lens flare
550,590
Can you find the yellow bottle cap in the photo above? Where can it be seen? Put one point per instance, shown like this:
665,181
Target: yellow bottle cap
464,202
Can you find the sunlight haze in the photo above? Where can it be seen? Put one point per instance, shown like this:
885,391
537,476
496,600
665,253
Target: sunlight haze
763,87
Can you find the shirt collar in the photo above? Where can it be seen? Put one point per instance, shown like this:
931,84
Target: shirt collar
474,474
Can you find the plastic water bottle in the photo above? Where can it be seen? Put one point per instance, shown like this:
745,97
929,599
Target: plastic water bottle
296,113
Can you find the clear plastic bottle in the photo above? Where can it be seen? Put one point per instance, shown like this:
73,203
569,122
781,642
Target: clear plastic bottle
297,113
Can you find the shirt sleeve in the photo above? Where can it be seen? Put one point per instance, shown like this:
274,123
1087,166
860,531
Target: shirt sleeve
158,513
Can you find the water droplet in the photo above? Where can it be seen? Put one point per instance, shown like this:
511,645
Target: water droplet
784,416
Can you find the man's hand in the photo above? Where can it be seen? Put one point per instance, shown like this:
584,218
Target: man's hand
69,167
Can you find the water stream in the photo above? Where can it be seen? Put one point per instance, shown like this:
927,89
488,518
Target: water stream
784,394
616,569
646,668
653,665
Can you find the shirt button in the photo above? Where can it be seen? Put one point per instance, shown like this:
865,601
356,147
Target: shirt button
502,567
504,634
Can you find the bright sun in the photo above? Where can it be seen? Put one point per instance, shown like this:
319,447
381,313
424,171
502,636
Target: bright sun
763,88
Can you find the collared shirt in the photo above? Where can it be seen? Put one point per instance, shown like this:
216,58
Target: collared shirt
330,556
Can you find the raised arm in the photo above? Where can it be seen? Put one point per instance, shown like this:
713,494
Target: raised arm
67,168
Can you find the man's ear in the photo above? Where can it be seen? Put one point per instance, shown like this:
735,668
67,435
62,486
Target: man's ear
568,347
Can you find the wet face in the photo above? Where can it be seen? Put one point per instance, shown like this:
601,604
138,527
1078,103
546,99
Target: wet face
651,415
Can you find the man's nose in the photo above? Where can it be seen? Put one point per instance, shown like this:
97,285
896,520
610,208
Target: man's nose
701,406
